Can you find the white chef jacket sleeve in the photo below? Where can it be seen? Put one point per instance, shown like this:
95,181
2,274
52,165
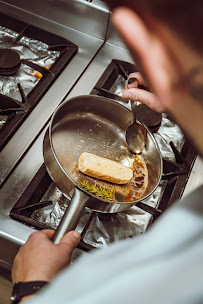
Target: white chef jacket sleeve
163,266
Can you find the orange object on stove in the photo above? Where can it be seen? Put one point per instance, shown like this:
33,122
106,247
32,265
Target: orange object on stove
39,75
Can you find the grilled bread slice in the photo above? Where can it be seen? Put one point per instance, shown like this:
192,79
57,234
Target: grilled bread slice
105,169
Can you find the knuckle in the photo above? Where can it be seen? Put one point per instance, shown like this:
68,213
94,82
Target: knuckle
34,236
71,242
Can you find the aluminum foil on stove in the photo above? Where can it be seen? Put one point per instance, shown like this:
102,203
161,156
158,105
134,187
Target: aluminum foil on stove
30,49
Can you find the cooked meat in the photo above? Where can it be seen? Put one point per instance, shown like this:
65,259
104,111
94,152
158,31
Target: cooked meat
105,169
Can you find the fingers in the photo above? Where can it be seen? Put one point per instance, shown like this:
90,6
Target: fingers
47,232
49,258
133,91
145,97
39,236
70,241
132,81
135,80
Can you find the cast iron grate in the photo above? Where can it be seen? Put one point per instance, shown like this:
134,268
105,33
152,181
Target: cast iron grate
16,111
108,78
175,174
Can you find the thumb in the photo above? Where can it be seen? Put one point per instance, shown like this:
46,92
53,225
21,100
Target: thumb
145,97
70,241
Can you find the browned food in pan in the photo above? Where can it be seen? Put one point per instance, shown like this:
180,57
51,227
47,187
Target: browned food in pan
105,169
131,191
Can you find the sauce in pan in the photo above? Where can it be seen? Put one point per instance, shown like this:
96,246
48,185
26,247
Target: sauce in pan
138,184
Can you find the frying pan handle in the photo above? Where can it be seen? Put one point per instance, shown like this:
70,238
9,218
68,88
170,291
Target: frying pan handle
71,216
149,209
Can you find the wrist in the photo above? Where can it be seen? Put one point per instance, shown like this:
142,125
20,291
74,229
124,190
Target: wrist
33,278
23,290
24,299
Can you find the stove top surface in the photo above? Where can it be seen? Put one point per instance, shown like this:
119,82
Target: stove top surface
74,51
176,175
22,160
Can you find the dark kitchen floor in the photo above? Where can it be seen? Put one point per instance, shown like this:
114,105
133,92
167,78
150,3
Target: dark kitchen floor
5,291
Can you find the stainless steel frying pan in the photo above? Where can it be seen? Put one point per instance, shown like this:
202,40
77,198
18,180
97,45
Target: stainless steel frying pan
97,125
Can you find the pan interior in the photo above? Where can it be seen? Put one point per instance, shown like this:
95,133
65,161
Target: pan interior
88,132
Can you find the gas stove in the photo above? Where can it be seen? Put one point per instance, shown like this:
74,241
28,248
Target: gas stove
64,73
29,199
28,67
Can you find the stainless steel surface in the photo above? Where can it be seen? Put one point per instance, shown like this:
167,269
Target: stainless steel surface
196,177
80,15
70,219
112,35
26,134
89,124
136,133
136,137
98,66
12,233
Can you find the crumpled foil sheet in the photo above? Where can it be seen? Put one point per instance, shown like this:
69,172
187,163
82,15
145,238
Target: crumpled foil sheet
30,49
108,228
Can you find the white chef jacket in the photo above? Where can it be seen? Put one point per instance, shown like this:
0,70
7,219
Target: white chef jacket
163,266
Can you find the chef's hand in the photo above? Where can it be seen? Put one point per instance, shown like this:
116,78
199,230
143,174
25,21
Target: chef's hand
39,259
132,92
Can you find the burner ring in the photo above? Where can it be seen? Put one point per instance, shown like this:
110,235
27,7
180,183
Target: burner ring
149,117
9,62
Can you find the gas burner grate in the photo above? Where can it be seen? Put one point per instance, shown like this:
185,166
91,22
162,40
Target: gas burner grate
174,178
30,201
104,87
175,175
14,112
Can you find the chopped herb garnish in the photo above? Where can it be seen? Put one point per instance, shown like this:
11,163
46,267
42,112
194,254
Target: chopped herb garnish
98,190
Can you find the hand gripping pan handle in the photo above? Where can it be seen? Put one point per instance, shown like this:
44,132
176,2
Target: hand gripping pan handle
71,216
